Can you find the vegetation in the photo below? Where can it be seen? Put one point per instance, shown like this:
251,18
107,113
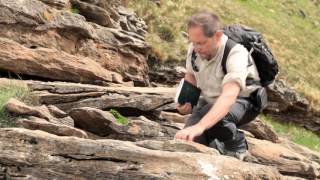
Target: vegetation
296,134
8,91
120,119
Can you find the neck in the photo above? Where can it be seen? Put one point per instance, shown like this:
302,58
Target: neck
213,53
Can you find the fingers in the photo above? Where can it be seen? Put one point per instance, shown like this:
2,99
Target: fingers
184,134
188,107
181,135
185,108
190,137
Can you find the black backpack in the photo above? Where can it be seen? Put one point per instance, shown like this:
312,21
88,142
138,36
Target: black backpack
252,40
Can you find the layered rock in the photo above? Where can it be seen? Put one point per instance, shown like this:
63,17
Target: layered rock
59,4
66,158
67,96
60,45
288,162
110,14
287,105
150,127
261,130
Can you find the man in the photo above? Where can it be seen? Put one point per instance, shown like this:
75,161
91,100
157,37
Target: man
227,99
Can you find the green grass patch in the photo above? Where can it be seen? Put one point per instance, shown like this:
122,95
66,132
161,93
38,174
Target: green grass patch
120,119
295,133
75,10
7,92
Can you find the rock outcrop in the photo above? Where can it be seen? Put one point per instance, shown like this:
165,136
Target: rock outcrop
43,42
39,155
149,133
287,105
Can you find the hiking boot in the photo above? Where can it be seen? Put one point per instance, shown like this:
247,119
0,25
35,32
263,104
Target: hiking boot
237,147
241,155
218,145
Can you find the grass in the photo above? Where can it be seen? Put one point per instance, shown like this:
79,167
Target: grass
120,119
291,28
294,133
11,91
75,11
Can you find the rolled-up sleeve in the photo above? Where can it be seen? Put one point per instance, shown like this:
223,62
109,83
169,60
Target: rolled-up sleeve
237,66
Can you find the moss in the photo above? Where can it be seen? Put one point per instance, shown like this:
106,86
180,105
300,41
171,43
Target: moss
120,119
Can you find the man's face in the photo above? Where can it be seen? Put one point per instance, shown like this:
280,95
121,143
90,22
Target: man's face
203,45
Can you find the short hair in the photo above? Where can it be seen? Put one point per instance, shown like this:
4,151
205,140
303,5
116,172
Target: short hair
209,22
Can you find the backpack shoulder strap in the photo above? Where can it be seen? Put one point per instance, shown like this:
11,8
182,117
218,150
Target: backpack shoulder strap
193,61
229,45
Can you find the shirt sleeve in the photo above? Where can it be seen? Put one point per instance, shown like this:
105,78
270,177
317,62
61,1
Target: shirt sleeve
237,66
188,60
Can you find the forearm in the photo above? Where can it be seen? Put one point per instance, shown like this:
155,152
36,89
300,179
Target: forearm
222,106
218,111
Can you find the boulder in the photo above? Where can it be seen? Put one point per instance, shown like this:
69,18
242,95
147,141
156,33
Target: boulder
18,107
103,123
57,129
287,161
261,130
68,157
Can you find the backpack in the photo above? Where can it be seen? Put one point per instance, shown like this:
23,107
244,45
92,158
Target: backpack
252,40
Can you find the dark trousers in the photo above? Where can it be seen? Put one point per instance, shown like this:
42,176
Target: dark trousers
226,130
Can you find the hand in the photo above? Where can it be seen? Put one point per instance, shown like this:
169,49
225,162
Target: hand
184,109
190,133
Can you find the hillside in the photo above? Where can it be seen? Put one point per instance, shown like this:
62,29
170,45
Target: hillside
291,28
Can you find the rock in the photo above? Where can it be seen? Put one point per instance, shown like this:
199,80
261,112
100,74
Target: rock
307,153
176,146
18,107
94,120
140,102
66,96
69,157
302,14
169,129
287,161
143,127
56,112
59,88
59,4
261,130
111,14
173,117
50,64
287,105
282,98
102,16
57,129
171,107
169,73
157,2
96,54
104,124
52,98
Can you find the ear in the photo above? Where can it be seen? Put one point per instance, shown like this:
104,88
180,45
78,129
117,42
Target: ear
218,35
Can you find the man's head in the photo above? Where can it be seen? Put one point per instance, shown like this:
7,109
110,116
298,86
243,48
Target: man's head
205,32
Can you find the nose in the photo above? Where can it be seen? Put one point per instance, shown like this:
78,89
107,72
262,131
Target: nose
197,49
